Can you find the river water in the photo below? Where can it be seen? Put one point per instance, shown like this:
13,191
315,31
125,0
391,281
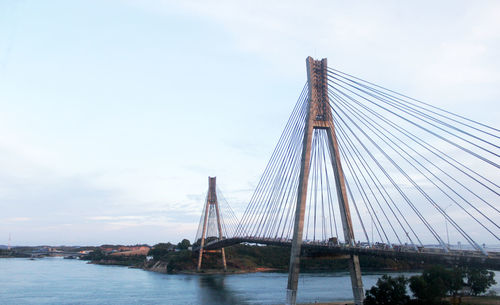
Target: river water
64,281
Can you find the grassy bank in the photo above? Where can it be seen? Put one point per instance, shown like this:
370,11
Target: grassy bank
243,258
469,300
4,253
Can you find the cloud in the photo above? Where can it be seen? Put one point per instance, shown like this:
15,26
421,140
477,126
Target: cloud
131,217
17,219
395,41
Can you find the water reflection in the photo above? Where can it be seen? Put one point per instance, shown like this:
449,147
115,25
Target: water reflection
214,291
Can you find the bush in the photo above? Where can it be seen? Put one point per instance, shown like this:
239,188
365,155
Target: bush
432,285
160,250
388,291
479,280
95,255
184,244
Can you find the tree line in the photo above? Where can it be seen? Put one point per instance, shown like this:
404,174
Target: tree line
431,287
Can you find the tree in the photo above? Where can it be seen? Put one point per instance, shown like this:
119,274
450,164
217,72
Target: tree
160,250
430,287
479,280
95,255
388,291
184,244
457,281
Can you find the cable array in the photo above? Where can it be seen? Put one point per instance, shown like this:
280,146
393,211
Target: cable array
228,219
271,207
416,175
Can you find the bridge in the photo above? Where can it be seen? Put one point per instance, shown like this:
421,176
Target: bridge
410,172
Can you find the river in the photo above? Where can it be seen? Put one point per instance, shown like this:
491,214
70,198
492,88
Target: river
64,281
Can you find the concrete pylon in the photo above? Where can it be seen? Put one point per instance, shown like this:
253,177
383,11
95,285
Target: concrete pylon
211,205
319,116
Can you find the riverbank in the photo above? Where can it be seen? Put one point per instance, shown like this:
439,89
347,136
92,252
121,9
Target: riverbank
252,258
478,300
467,300
12,254
242,259
162,267
331,303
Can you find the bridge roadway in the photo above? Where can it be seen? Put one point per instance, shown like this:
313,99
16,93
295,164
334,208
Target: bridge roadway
406,252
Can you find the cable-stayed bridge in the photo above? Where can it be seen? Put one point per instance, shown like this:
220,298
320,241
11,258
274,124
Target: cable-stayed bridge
363,170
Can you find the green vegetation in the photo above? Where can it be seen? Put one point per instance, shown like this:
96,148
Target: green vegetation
99,257
244,257
431,287
388,291
160,250
95,255
179,261
4,253
240,258
183,245
479,280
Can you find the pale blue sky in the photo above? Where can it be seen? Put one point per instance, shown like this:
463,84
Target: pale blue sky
114,113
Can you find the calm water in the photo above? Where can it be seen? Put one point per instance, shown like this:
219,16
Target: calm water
62,281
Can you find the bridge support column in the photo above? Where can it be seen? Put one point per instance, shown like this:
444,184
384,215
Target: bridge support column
356,281
319,116
210,205
219,223
203,232
345,215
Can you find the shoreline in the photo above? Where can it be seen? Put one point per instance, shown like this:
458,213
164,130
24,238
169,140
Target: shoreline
330,303
215,271
161,267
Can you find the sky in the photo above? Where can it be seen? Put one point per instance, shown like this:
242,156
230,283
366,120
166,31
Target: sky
114,113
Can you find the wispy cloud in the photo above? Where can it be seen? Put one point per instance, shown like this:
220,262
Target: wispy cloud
106,218
17,219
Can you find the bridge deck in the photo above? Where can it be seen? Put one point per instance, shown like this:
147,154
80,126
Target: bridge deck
455,257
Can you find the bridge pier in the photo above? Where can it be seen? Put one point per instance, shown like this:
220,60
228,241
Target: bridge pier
356,280
319,116
211,204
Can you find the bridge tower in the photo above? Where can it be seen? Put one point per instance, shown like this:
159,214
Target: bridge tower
319,116
211,213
